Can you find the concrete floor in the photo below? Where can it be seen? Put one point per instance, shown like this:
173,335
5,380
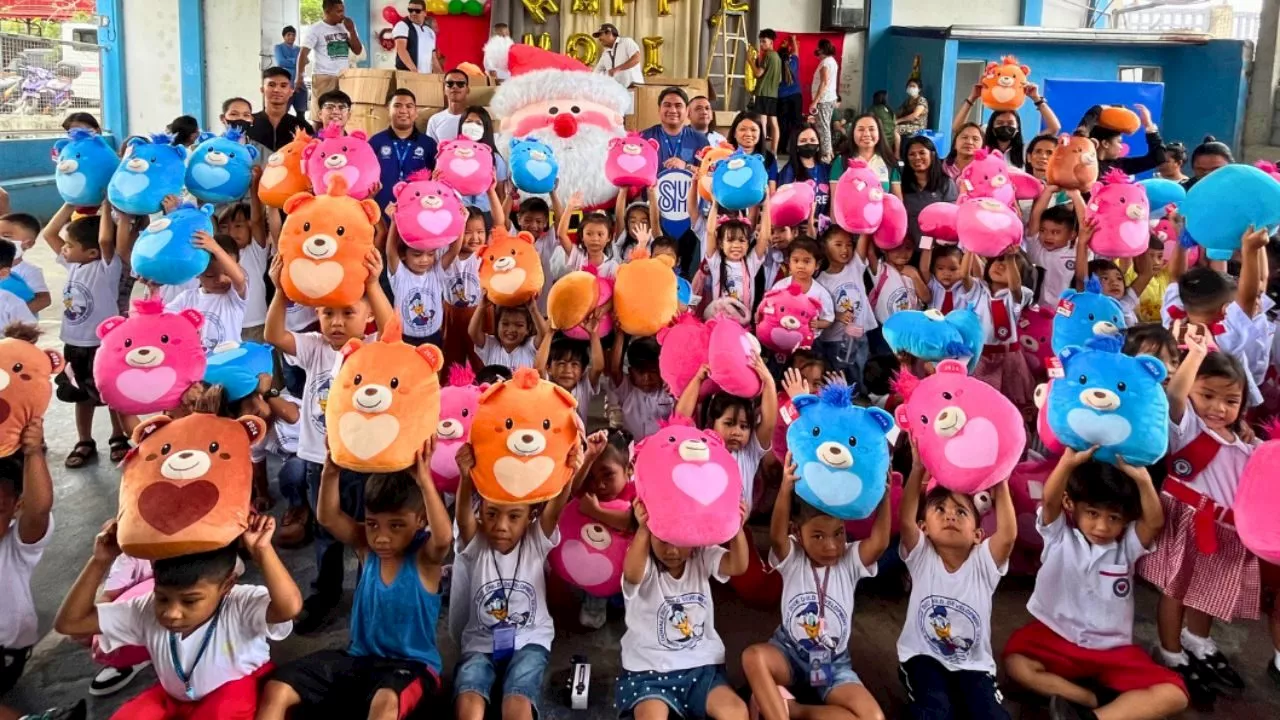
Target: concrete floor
60,670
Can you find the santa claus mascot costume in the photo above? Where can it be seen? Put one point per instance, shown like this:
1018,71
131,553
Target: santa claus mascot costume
559,101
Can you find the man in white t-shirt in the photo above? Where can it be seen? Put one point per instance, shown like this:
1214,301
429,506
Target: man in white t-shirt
619,57
333,40
457,91
415,38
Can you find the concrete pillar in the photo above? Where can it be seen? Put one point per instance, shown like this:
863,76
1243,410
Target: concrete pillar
1261,108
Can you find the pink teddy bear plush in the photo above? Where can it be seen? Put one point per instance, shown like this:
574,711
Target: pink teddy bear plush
458,402
349,156
148,360
429,214
632,161
792,203
858,204
990,176
1119,209
783,319
466,165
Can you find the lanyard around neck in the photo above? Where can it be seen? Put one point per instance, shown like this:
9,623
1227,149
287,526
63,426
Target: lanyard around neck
186,675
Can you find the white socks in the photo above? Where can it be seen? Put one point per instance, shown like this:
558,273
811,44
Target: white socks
1201,647
1171,659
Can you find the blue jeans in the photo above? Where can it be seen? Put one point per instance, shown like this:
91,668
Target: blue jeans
841,666
299,101
293,481
329,567
521,674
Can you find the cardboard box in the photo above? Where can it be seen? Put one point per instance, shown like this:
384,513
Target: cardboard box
427,88
424,114
369,117
646,96
366,86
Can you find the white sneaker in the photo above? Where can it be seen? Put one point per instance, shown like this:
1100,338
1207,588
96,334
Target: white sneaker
594,613
110,681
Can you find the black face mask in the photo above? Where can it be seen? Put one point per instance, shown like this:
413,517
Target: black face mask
241,125
1005,133
807,151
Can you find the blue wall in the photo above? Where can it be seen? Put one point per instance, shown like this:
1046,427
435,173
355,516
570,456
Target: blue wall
27,175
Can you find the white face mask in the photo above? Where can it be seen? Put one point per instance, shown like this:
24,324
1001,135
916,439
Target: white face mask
17,248
913,91
472,131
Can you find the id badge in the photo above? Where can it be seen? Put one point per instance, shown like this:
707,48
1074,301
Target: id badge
820,672
504,641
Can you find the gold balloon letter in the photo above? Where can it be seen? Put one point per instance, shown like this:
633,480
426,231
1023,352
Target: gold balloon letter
619,7
586,7
749,75
544,41
664,8
582,47
653,55
539,9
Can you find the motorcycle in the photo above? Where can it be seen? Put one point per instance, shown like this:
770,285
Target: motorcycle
44,90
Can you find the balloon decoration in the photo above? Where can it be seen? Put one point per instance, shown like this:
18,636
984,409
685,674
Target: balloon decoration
735,6
542,41
586,7
653,55
434,7
664,8
540,9
619,7
749,77
583,47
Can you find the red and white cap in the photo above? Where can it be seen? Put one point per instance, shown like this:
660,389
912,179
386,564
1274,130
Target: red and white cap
539,75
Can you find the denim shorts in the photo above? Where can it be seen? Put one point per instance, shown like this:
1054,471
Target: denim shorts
684,691
841,667
521,674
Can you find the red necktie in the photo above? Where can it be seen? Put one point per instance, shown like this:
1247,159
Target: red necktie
948,302
1001,321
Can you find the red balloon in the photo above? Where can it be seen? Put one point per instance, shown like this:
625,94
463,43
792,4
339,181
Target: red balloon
391,15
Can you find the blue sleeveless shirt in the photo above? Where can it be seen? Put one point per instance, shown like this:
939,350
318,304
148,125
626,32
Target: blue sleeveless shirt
396,621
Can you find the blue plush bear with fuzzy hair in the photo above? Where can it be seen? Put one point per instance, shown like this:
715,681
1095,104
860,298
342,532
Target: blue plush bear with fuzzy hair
84,166
534,168
1225,203
932,336
238,368
221,167
740,181
164,252
1112,400
1084,315
840,452
152,169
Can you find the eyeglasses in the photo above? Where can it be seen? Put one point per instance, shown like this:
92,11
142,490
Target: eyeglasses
335,107
416,11
455,83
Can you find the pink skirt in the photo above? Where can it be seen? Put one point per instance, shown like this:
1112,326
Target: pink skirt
1226,584
1008,373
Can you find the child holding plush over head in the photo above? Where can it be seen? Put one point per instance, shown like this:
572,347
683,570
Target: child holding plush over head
672,656
645,399
945,645
518,332
730,264
999,300
1083,601
1199,563
244,223
418,287
950,276
809,651
574,365
605,476
1111,278
26,526
592,248
462,293
221,294
1052,243
895,284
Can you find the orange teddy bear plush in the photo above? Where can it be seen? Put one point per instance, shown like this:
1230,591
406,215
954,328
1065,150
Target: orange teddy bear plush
645,294
1004,84
572,299
283,177
26,374
522,435
510,270
186,484
384,403
324,244
707,159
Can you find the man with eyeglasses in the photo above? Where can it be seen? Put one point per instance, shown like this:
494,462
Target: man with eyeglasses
444,125
335,107
332,41
415,38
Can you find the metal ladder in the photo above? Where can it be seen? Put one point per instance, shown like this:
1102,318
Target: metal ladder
731,32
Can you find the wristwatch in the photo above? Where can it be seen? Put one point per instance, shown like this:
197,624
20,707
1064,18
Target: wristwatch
272,394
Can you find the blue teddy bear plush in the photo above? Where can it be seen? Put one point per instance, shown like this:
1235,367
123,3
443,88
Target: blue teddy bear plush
85,164
220,168
740,181
1225,203
533,166
931,336
164,252
840,452
1111,400
153,169
1085,315
238,368
18,286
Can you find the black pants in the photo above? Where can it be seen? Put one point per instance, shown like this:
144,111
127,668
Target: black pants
936,693
12,662
790,119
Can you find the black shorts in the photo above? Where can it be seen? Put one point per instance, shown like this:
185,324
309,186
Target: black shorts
12,662
766,106
75,384
344,685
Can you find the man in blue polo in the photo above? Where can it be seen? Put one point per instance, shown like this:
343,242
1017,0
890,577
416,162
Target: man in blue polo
678,144
401,149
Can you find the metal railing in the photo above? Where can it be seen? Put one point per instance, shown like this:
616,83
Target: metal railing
42,80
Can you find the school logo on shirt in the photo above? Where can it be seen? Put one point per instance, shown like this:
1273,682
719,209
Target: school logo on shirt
950,627
464,290
681,621
213,333
385,151
805,625
1122,587
418,152
414,309
77,303
322,385
899,299
509,602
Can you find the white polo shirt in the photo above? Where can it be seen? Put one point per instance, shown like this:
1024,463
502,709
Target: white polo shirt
1084,592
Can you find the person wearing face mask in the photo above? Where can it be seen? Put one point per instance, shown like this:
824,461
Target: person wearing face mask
237,113
806,164
477,126
1004,128
401,149
913,114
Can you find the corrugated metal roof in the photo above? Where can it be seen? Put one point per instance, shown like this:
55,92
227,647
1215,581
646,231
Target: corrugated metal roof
1055,35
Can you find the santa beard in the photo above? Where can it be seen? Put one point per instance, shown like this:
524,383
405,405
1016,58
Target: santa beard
581,158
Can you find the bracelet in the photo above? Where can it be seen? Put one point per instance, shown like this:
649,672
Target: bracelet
1039,103
968,101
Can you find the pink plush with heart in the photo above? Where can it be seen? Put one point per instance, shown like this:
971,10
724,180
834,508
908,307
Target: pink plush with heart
782,320
731,357
1035,333
590,553
858,202
604,291
792,203
148,360
1118,206
1166,231
350,156
429,215
466,165
938,221
893,225
632,161
690,485
1257,498
1026,488
458,401
684,349
987,227
990,176
969,435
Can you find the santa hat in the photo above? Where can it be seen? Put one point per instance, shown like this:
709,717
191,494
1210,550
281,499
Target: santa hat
538,75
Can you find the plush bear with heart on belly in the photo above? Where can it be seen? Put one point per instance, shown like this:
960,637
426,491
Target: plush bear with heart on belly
324,244
522,435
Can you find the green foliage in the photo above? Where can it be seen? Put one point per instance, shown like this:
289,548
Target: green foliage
312,11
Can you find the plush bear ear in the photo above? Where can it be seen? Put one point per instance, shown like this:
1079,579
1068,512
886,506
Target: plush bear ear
371,210
359,135
193,316
57,146
352,345
652,143
202,137
1067,294
55,361
180,150
134,142
108,325
148,427
952,366
1069,352
882,418
991,68
1154,367
208,209
397,189
526,236
433,356
297,201
254,426
1025,70
900,414
310,150
803,401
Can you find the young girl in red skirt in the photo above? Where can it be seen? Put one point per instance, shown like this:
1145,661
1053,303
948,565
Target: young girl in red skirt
1199,564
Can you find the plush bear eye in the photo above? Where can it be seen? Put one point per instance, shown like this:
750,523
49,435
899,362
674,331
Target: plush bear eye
947,396
213,448
575,110
164,449
1121,386
924,419
1090,316
510,424
816,431
164,339
546,424
358,379
395,383
306,227
340,231
853,441
465,412
128,342
1084,379
17,367
231,155
671,438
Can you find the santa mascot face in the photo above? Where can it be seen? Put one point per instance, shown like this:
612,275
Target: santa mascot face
558,101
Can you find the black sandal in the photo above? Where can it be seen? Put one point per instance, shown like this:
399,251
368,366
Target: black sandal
120,447
80,455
